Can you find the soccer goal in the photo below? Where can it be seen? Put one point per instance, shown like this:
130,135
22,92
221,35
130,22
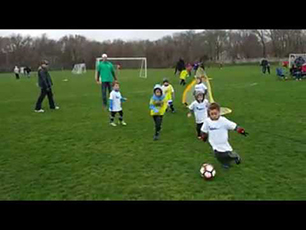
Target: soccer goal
297,59
79,68
141,64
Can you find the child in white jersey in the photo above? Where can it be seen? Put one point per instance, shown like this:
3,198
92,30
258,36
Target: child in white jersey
200,86
199,107
115,100
216,128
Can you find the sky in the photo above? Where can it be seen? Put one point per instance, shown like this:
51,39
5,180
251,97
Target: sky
98,35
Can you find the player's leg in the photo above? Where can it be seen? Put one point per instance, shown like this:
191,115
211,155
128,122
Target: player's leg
198,128
222,157
234,156
50,99
121,121
171,106
268,68
103,89
112,118
158,122
40,99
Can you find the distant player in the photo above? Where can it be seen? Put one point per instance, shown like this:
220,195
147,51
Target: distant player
189,69
158,106
199,108
45,84
265,65
115,100
168,91
183,75
180,66
200,86
16,71
216,128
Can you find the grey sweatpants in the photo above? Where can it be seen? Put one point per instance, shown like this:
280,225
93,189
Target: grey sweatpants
226,157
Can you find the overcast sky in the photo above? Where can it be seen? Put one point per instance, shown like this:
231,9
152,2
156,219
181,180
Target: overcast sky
98,35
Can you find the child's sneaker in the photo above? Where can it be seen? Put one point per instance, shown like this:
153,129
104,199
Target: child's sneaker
238,160
39,111
122,123
113,124
156,137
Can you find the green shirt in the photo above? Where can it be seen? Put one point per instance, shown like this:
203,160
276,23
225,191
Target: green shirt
106,71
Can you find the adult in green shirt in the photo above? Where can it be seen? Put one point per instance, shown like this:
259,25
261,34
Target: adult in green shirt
105,77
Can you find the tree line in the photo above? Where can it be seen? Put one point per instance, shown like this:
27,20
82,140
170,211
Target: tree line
209,46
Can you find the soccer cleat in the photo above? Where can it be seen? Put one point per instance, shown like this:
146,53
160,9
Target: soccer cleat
39,111
238,160
56,107
123,123
200,138
113,124
156,137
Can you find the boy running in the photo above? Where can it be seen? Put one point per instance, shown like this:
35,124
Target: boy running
115,100
216,129
199,107
168,91
200,86
158,106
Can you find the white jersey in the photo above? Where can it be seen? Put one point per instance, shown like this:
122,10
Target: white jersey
16,70
200,87
116,97
200,110
218,133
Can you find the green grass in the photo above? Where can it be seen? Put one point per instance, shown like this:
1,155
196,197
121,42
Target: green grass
73,153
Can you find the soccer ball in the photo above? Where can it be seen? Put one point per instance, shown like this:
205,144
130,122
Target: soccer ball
207,171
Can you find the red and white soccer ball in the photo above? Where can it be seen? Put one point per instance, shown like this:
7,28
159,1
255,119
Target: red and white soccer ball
207,171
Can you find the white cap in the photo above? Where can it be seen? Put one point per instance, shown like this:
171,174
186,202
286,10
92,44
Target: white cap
104,55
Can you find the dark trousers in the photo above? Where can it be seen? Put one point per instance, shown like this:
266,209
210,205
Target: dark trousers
158,119
264,68
182,82
42,96
113,114
104,87
17,75
171,107
198,127
226,157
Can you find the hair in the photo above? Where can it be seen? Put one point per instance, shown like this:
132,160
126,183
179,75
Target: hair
214,106
115,83
199,77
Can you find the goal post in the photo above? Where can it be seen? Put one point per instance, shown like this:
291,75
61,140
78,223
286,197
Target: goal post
143,73
79,68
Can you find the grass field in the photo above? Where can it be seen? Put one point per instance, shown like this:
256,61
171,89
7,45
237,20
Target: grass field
74,154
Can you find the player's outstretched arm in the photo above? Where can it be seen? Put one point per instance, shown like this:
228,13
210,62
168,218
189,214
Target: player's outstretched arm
241,131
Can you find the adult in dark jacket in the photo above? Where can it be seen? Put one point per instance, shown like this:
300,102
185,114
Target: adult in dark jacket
180,65
265,66
45,84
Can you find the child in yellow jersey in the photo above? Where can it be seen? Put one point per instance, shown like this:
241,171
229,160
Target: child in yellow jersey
158,106
183,76
168,91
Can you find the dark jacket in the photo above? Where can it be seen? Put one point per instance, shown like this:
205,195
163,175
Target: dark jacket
44,78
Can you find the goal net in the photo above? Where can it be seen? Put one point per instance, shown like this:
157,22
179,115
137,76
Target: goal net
297,60
127,63
188,94
79,68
